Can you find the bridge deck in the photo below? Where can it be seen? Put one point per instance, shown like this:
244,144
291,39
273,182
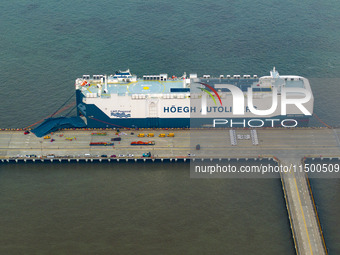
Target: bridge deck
306,229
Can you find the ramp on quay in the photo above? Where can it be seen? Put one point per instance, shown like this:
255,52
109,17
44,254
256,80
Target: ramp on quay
288,145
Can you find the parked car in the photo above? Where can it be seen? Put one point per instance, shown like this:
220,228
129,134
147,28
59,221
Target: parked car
147,155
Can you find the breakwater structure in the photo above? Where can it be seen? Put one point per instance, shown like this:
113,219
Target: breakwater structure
288,147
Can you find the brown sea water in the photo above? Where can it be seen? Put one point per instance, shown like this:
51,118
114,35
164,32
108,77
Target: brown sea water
155,208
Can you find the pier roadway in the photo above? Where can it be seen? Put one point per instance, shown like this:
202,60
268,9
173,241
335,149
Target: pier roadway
289,146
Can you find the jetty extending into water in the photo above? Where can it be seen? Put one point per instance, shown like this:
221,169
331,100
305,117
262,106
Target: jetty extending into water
288,147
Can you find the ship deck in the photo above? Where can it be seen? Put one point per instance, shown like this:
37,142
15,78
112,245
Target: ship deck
139,87
170,86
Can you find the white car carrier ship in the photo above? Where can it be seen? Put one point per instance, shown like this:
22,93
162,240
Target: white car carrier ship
163,101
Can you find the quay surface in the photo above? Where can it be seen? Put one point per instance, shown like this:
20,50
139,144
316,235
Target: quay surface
281,143
289,146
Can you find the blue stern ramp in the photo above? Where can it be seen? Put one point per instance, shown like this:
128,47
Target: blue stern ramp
54,124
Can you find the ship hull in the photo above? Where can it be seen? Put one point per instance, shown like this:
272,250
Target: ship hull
98,119
194,123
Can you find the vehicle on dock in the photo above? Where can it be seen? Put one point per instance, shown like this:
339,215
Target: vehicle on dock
47,137
116,139
31,156
147,155
99,133
101,144
141,135
70,138
171,135
150,135
161,135
143,143
26,132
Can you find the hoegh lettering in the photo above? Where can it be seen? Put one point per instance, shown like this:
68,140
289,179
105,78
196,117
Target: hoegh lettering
179,109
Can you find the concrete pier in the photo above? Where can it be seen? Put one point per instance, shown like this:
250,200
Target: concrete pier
287,146
280,142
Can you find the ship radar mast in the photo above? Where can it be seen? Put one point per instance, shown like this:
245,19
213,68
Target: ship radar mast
274,74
